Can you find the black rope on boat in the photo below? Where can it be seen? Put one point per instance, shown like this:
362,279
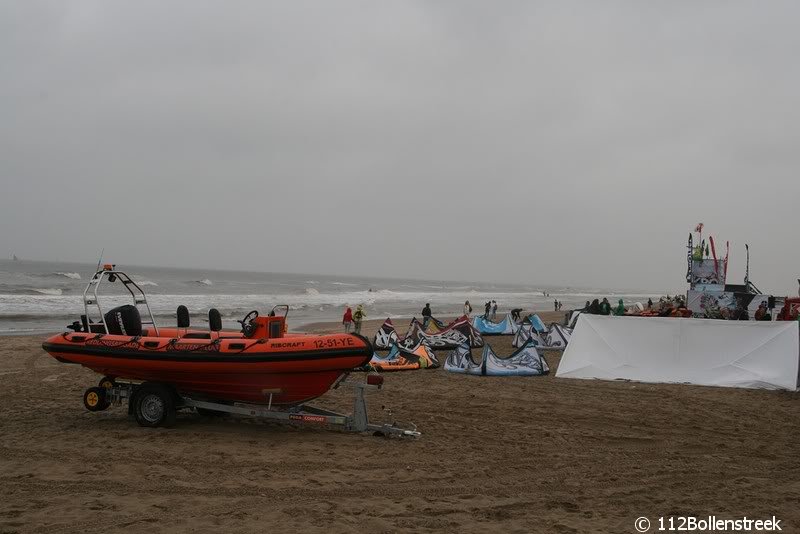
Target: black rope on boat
158,347
259,341
114,344
170,346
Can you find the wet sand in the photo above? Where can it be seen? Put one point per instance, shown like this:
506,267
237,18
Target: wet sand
535,454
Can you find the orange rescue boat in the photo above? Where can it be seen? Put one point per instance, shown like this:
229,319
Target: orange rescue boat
261,364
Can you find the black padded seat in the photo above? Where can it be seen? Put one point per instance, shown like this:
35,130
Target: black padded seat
183,316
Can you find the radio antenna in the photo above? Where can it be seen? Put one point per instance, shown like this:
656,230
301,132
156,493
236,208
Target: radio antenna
100,259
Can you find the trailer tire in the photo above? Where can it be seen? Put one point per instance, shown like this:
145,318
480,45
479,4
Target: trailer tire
154,405
94,399
107,382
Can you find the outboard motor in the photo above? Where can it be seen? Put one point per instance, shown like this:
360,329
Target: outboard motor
124,321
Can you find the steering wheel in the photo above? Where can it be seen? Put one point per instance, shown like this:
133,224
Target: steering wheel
248,327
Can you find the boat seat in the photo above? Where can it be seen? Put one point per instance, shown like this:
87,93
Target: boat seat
183,316
214,320
214,324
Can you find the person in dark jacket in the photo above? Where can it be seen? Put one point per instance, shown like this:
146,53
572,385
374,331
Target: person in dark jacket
605,307
426,311
743,314
594,307
488,308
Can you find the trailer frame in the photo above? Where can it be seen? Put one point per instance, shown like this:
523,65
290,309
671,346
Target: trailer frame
117,393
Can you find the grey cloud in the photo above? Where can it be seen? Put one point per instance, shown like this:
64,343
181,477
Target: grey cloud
571,143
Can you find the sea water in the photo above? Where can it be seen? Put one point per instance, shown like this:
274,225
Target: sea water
40,296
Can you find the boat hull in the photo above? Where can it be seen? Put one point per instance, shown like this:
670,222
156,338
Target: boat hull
285,371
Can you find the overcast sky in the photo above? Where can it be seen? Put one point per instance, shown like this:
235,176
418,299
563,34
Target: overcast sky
548,143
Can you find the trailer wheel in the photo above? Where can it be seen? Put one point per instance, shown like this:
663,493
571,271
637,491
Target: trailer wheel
94,399
154,405
107,382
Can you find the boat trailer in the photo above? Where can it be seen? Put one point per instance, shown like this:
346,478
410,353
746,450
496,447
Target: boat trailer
155,404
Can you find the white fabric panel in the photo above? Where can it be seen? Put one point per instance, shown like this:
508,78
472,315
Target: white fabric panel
461,361
505,327
385,336
746,354
524,362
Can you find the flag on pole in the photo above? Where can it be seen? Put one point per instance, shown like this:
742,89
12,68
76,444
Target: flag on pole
727,253
714,255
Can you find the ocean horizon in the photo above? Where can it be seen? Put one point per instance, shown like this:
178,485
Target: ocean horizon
44,296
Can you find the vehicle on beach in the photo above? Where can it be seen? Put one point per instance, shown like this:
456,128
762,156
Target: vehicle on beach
261,370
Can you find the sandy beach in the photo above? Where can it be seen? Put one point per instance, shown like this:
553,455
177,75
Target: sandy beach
496,454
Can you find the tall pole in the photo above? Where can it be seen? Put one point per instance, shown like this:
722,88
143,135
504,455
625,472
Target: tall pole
747,268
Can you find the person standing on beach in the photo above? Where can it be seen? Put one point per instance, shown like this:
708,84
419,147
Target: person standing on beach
761,313
358,316
742,314
494,310
347,319
488,308
555,304
426,311
467,309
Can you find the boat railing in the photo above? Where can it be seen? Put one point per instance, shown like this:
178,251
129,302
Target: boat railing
108,272
280,308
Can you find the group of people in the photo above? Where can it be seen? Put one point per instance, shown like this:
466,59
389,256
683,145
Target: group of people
666,307
353,320
741,313
490,310
597,307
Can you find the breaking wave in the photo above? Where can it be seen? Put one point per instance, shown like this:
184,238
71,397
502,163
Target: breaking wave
48,291
74,276
205,282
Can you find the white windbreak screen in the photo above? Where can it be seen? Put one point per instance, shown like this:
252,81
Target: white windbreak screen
745,354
